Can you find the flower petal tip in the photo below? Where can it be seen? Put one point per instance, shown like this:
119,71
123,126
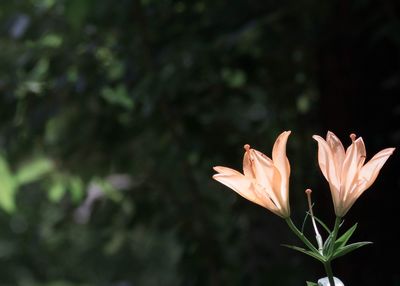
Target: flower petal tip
317,137
217,169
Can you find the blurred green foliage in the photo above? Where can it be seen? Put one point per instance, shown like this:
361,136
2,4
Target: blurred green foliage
111,117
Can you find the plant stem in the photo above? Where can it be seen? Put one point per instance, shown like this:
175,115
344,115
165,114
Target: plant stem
329,273
300,235
327,264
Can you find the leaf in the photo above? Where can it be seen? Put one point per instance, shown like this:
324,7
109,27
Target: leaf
327,244
307,252
76,188
56,192
118,96
51,40
304,222
7,187
33,171
39,72
311,283
341,241
323,225
348,248
234,78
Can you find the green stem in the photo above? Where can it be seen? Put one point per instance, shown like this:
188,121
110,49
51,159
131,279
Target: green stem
327,264
329,273
300,235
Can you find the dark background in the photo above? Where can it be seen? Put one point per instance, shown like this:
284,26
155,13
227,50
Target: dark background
112,114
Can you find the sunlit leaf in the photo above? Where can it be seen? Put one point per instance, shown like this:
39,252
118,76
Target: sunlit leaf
56,192
7,187
33,170
76,188
117,96
51,40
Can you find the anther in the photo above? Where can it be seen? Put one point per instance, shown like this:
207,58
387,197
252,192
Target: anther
353,137
246,147
308,193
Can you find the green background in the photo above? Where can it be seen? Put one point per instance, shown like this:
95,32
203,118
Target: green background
112,114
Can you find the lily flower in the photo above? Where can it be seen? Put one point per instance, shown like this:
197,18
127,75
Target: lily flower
345,171
264,181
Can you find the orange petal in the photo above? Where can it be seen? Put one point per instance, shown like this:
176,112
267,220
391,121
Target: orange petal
337,149
281,161
266,175
355,157
327,162
267,201
362,153
370,171
262,166
237,182
226,171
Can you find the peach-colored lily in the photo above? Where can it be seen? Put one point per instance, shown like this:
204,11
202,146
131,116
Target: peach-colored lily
264,181
345,171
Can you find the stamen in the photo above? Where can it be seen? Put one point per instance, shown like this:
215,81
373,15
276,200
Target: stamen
308,193
317,234
246,147
353,137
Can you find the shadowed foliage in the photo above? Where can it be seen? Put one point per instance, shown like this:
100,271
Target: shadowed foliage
113,114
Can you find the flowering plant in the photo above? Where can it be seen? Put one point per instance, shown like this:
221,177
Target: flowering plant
265,181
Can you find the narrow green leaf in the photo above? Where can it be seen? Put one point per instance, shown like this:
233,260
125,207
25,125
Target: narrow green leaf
323,225
341,241
307,252
304,222
348,248
33,170
327,244
7,187
311,283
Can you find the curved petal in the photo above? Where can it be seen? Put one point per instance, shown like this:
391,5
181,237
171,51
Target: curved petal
355,157
246,188
237,182
362,153
370,171
327,162
226,171
262,167
281,161
266,175
266,200
337,150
